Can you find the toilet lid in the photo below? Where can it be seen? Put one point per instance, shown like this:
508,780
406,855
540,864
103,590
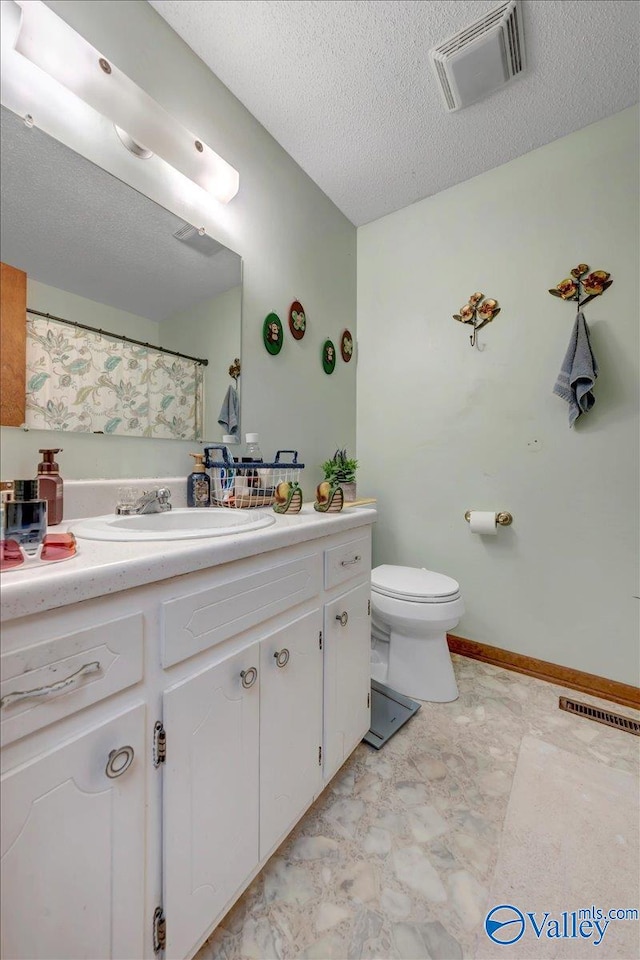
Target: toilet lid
413,583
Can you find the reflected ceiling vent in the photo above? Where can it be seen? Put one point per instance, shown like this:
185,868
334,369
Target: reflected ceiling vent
481,58
197,239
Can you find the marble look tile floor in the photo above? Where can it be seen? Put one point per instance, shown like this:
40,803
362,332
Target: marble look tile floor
395,859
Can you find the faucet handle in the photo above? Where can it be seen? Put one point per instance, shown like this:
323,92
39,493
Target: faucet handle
126,501
163,494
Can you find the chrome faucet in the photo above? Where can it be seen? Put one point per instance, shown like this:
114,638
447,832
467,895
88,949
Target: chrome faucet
152,501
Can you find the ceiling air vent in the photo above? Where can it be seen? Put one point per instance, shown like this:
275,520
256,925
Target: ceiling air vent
198,240
482,57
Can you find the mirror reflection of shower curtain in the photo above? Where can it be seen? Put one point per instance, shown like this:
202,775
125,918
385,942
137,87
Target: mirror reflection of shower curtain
92,383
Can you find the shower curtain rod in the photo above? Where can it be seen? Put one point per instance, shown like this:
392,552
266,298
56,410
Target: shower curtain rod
118,336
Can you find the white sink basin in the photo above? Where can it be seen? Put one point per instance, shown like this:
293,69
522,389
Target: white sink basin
181,524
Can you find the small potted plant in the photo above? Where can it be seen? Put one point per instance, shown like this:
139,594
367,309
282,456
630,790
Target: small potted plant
341,471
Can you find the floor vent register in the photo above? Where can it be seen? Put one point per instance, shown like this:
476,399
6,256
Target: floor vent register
600,716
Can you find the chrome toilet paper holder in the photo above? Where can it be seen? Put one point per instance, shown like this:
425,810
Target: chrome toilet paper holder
503,518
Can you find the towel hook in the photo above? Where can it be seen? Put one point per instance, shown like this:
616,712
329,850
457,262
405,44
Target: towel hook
478,312
234,369
582,282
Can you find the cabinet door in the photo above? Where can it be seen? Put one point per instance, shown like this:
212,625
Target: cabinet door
73,848
347,681
290,725
210,795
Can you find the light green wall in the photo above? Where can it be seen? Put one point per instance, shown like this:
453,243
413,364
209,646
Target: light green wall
294,242
443,428
210,329
61,303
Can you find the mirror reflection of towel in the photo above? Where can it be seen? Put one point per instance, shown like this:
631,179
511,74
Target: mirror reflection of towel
229,412
578,373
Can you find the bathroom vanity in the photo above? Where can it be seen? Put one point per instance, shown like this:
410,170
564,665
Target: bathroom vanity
169,712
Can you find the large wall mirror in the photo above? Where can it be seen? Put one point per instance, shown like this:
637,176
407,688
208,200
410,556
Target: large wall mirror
98,253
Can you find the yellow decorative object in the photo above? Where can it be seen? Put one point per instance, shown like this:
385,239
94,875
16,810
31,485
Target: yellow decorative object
288,498
477,313
329,498
582,288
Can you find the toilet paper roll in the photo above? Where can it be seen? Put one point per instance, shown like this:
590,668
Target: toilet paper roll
483,521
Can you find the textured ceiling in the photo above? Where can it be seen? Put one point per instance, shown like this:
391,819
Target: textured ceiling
70,224
346,88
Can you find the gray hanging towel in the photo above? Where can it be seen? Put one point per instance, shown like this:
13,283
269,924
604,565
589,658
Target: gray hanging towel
229,414
579,371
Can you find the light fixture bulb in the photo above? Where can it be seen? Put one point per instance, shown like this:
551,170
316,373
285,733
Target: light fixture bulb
132,146
52,45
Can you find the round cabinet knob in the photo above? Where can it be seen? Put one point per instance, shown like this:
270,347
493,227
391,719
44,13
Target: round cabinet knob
249,677
119,762
282,657
342,618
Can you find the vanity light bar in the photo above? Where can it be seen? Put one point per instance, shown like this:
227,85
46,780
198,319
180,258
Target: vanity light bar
54,47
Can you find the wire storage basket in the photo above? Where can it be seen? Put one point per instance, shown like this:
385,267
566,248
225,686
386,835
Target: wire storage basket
251,483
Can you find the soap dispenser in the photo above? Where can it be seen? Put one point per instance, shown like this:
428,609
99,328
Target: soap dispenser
198,484
50,485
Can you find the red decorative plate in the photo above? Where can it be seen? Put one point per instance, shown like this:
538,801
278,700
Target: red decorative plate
346,346
297,320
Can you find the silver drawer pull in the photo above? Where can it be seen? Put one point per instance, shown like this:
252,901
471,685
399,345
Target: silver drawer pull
347,563
282,657
249,677
52,687
342,618
119,762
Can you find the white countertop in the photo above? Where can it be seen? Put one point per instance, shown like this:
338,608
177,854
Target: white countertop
101,567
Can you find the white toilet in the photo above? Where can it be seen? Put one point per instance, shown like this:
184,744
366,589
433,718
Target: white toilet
411,611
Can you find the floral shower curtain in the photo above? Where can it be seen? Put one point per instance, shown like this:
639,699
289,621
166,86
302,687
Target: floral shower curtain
91,383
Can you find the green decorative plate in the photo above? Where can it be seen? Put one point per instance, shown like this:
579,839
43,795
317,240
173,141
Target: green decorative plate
328,356
272,333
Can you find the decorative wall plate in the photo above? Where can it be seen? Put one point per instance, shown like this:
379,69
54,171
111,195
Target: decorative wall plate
346,346
297,320
328,356
272,333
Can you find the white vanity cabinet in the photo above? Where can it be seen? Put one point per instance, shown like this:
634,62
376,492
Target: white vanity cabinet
257,673
210,795
243,763
73,843
291,673
347,631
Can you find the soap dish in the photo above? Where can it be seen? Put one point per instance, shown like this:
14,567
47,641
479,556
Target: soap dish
55,548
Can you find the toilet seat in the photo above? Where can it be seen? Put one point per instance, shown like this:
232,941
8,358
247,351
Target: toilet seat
414,584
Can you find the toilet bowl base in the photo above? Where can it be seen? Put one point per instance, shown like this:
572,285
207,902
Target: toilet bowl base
421,668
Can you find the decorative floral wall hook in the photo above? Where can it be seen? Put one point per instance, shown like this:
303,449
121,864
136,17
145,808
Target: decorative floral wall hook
478,313
582,284
234,369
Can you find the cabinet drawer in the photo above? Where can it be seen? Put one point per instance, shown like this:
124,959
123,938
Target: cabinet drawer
51,680
347,560
203,618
